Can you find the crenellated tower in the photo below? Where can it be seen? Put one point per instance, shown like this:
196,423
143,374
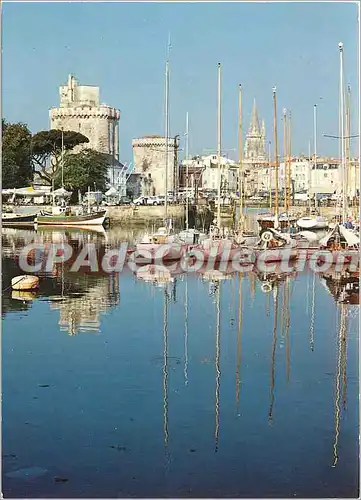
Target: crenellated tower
80,110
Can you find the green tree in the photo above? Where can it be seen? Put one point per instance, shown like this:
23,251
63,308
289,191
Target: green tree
16,159
84,169
46,150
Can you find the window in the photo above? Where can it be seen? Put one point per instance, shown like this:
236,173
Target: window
325,174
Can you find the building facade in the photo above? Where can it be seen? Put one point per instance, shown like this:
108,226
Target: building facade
149,159
326,177
204,171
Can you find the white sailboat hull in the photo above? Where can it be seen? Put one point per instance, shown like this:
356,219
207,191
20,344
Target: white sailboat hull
312,223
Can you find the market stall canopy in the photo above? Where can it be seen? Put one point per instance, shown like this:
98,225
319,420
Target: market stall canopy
29,191
111,192
61,192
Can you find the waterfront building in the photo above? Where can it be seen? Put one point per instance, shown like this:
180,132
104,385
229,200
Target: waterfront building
203,170
149,159
80,110
324,178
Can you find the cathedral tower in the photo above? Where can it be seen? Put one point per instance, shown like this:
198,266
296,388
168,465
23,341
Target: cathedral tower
255,145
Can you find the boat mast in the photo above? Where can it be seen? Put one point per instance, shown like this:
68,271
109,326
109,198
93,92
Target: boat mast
289,158
270,174
276,154
240,156
285,157
187,170
315,145
348,139
62,158
219,148
342,125
166,130
309,177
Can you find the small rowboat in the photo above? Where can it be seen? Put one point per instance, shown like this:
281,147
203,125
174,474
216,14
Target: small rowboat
92,219
9,220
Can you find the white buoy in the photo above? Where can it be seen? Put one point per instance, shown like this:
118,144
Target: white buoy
25,282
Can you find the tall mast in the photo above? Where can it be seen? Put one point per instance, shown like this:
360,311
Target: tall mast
276,153
289,158
240,157
342,125
348,139
285,157
219,145
62,158
166,129
315,144
309,176
187,170
270,174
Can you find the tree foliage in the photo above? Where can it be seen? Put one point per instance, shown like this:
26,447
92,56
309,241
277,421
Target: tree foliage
46,150
83,169
16,158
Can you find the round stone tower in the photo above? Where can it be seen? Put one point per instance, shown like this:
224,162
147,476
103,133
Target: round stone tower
80,111
149,160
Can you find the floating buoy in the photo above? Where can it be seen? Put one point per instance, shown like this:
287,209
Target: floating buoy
25,282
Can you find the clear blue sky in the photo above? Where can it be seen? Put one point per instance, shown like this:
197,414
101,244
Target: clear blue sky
121,47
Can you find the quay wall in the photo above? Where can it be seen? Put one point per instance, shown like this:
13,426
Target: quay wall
120,214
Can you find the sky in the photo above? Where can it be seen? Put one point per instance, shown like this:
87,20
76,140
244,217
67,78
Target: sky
121,47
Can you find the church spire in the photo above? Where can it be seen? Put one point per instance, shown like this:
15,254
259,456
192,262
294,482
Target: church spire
254,124
263,129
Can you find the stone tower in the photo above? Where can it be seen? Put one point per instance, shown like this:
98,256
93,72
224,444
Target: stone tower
149,159
80,111
255,145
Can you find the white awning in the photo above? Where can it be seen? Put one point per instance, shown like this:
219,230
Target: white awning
61,192
111,192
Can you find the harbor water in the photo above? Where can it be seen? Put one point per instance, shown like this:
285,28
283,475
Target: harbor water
126,384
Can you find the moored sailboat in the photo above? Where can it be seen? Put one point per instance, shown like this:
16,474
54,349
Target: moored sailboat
317,222
62,215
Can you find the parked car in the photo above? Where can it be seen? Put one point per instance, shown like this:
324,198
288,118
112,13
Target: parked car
142,200
154,200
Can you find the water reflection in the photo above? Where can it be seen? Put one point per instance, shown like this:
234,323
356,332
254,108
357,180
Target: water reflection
234,356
